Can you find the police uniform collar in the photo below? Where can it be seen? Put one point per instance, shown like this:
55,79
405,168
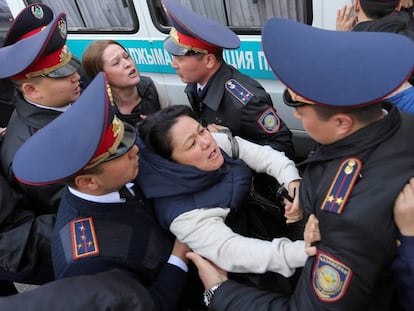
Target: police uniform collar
112,197
59,109
35,117
213,98
364,140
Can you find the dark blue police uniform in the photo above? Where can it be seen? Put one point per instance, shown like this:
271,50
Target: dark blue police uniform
133,239
92,237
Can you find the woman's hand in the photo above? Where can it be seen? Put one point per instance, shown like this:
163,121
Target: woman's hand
293,212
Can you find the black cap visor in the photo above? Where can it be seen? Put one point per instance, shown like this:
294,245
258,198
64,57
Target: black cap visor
287,99
65,71
128,140
175,49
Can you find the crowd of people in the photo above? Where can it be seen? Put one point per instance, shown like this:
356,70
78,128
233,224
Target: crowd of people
114,194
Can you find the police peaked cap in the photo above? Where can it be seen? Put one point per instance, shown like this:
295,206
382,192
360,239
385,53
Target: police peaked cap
337,68
193,32
75,141
31,18
40,52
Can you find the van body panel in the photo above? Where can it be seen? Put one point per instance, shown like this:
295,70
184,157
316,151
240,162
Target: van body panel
145,46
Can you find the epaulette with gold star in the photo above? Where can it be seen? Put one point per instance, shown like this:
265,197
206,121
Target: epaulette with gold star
242,94
84,242
342,185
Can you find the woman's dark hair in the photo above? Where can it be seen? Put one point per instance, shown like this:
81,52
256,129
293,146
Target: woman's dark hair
399,22
155,129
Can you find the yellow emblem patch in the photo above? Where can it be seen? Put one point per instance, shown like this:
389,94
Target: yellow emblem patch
330,277
269,121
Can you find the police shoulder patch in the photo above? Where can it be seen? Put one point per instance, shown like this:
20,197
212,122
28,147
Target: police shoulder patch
330,277
342,185
269,121
84,242
242,94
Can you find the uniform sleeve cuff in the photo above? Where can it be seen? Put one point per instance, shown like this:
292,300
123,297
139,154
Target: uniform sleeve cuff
174,260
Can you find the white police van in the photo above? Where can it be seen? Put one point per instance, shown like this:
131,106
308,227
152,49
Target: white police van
142,25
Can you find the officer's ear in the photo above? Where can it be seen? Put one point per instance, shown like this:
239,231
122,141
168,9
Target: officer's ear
344,124
30,90
86,183
357,6
211,60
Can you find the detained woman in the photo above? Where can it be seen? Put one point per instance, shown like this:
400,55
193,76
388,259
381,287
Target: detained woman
196,185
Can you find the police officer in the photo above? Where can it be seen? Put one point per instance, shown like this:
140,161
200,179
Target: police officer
101,225
46,77
47,80
362,140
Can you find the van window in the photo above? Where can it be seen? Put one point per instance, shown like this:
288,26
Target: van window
96,15
6,18
243,16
